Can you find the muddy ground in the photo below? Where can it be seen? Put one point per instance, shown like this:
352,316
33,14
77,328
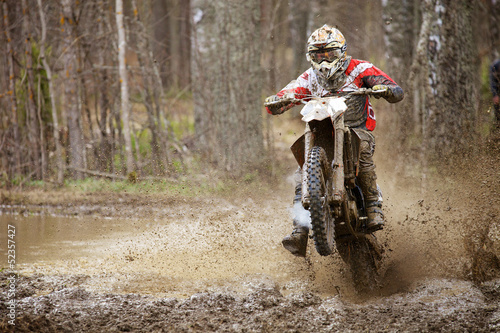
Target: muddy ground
203,264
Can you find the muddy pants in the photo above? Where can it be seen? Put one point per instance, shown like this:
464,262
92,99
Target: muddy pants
367,179
367,148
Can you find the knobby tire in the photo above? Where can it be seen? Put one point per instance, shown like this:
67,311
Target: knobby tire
321,218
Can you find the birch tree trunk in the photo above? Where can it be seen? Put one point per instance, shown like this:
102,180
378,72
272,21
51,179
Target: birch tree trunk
453,66
443,77
226,81
125,105
55,121
76,139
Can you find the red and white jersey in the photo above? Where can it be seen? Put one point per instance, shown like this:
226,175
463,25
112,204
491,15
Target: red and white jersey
360,74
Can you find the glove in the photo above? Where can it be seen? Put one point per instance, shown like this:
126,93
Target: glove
381,90
275,105
271,100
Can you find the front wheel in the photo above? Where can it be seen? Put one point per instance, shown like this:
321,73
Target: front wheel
318,183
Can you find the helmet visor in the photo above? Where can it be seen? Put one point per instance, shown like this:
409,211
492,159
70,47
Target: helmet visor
328,55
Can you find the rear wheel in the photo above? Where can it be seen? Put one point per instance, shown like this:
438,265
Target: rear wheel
364,257
321,217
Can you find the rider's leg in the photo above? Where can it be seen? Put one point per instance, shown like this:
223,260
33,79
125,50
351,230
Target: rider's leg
367,181
296,242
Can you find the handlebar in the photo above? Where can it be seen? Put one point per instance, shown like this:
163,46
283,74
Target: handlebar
290,97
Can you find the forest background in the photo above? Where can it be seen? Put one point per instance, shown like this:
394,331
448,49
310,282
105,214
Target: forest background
157,89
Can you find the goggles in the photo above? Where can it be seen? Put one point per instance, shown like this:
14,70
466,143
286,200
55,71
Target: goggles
328,55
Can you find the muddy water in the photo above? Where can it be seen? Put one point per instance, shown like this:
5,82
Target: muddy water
49,238
218,249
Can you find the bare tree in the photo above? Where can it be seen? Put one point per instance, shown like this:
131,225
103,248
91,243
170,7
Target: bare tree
76,139
299,24
125,106
11,93
401,24
158,155
227,82
184,36
104,95
55,121
35,131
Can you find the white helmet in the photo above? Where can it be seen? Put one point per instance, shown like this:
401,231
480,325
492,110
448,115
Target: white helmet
326,51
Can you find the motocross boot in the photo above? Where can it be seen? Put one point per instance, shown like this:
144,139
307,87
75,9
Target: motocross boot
375,216
296,242
368,184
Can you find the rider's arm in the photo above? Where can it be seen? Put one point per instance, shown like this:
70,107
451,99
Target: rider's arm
297,88
376,77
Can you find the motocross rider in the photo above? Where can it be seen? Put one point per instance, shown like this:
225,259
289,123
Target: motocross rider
333,72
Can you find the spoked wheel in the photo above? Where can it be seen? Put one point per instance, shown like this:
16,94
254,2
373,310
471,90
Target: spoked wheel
321,217
364,257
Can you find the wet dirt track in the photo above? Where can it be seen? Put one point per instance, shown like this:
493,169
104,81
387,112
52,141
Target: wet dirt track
433,305
216,264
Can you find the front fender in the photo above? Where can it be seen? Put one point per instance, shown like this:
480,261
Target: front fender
319,109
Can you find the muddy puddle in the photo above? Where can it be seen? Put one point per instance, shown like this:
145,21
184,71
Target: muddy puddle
51,238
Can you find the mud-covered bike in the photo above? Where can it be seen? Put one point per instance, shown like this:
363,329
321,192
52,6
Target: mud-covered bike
328,153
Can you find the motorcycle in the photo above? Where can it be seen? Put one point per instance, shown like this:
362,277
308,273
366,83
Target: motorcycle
328,153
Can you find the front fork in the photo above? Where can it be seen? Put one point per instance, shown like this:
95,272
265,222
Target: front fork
336,196
338,193
308,145
338,162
